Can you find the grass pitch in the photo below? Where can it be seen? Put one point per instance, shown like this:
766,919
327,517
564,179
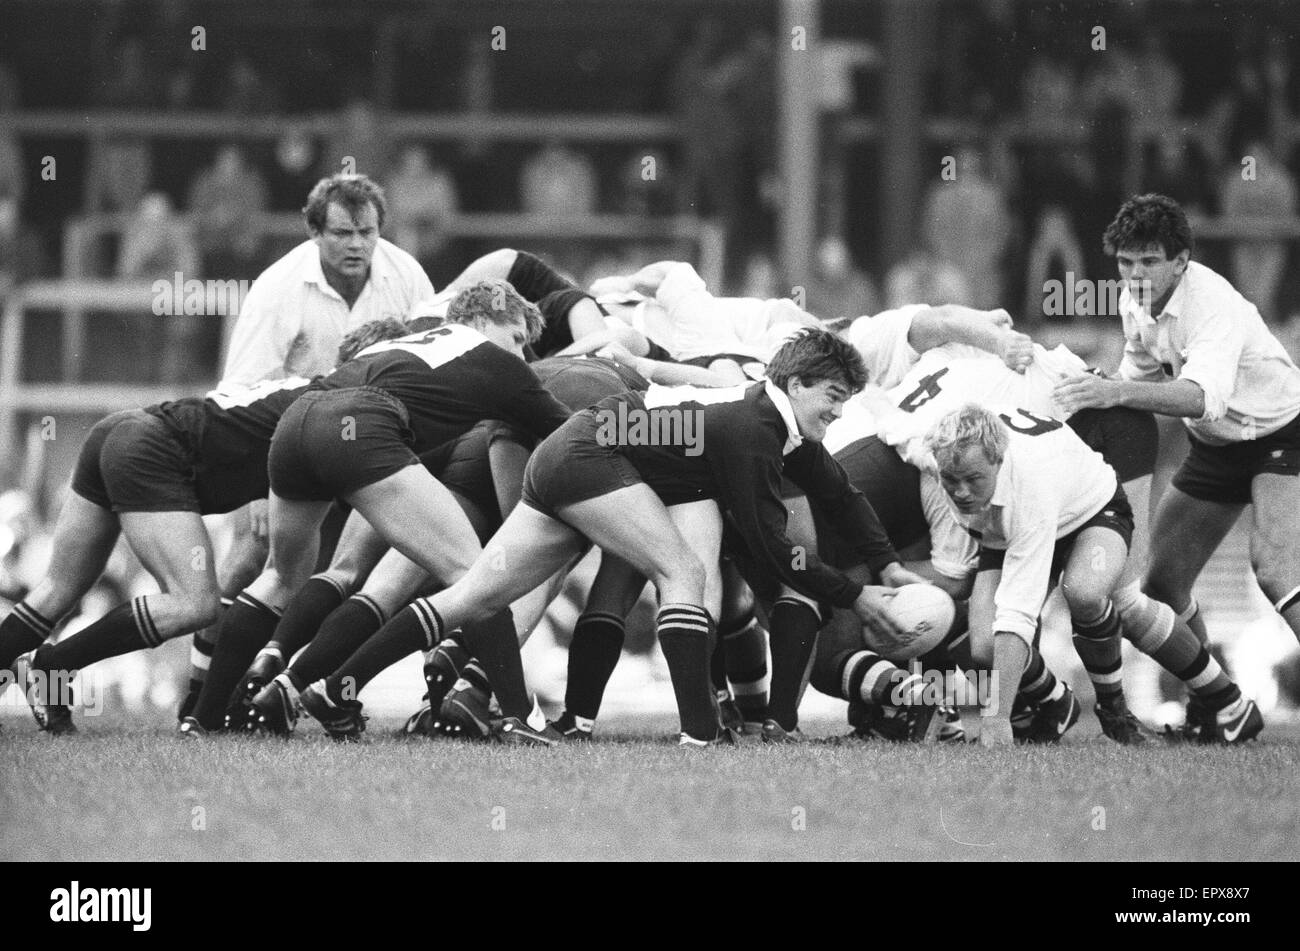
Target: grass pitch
117,791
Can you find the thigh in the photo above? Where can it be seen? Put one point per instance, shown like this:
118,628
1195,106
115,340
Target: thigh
1138,493
360,548
395,581
700,523
84,536
633,523
175,549
617,586
295,539
1094,567
419,516
1185,534
1275,535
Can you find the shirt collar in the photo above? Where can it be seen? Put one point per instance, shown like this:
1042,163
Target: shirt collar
783,406
313,273
1175,307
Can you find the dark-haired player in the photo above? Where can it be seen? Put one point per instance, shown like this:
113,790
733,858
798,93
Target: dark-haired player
1196,349
354,436
604,478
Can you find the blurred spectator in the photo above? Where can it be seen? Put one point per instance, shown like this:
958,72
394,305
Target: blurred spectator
245,92
422,198
10,98
12,180
130,83
712,136
838,288
1049,90
1054,253
223,204
1257,264
967,224
360,146
558,181
1175,166
923,278
642,187
22,256
122,168
157,242
760,278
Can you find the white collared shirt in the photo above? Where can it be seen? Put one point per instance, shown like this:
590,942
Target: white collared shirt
1211,335
292,322
793,438
1049,484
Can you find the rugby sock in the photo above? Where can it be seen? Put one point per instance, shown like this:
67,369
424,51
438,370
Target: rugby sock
1098,645
496,646
245,629
684,636
793,633
347,627
746,656
23,630
202,645
306,612
1038,683
128,627
718,669
1192,617
1157,632
417,627
1289,607
593,655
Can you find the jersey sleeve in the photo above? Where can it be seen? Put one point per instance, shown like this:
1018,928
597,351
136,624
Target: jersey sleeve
953,552
1214,345
882,342
827,486
1138,363
1027,569
533,278
521,399
260,342
749,477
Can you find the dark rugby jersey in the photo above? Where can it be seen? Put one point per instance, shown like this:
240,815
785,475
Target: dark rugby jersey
734,452
579,382
538,282
449,379
228,435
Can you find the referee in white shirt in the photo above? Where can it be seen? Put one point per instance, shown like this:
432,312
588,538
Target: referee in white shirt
1195,348
291,324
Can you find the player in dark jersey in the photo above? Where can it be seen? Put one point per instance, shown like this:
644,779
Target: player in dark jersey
484,471
355,435
150,474
607,476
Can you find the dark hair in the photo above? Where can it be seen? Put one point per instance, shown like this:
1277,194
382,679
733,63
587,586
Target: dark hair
368,334
498,301
1148,219
815,355
352,192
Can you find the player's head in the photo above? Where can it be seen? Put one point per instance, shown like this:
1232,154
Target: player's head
344,215
1151,242
969,445
368,334
818,371
496,310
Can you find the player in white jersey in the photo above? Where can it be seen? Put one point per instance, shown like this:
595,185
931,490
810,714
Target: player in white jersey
945,378
1196,349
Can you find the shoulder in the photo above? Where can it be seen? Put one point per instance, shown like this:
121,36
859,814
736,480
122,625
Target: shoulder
401,264
1212,293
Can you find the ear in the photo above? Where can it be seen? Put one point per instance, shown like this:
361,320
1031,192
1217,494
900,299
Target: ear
1180,261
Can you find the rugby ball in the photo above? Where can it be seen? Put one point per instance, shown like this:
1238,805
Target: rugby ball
923,612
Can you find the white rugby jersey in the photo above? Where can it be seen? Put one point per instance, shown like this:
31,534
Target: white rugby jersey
292,321
704,325
1209,334
1049,484
882,342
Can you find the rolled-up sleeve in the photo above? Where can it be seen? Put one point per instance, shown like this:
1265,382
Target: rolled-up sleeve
1214,346
1027,569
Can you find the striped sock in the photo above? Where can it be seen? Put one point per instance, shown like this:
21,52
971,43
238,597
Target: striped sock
746,656
1166,638
1038,683
684,636
306,612
868,677
593,655
23,630
128,627
416,627
246,628
1098,646
346,628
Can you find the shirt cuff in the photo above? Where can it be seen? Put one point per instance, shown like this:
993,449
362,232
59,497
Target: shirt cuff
1215,405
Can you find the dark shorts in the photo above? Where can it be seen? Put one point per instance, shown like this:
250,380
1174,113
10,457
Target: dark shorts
572,466
330,443
1128,439
1225,473
133,462
891,486
1116,515
739,359
464,466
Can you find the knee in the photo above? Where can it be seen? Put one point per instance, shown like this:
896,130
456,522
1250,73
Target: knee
199,610
1086,600
1276,578
686,571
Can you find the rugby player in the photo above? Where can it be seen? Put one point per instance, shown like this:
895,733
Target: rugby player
354,436
1198,350
593,481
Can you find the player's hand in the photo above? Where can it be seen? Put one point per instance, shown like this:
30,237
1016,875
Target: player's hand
1001,317
1017,350
872,607
259,518
996,731
1085,391
895,575
616,351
